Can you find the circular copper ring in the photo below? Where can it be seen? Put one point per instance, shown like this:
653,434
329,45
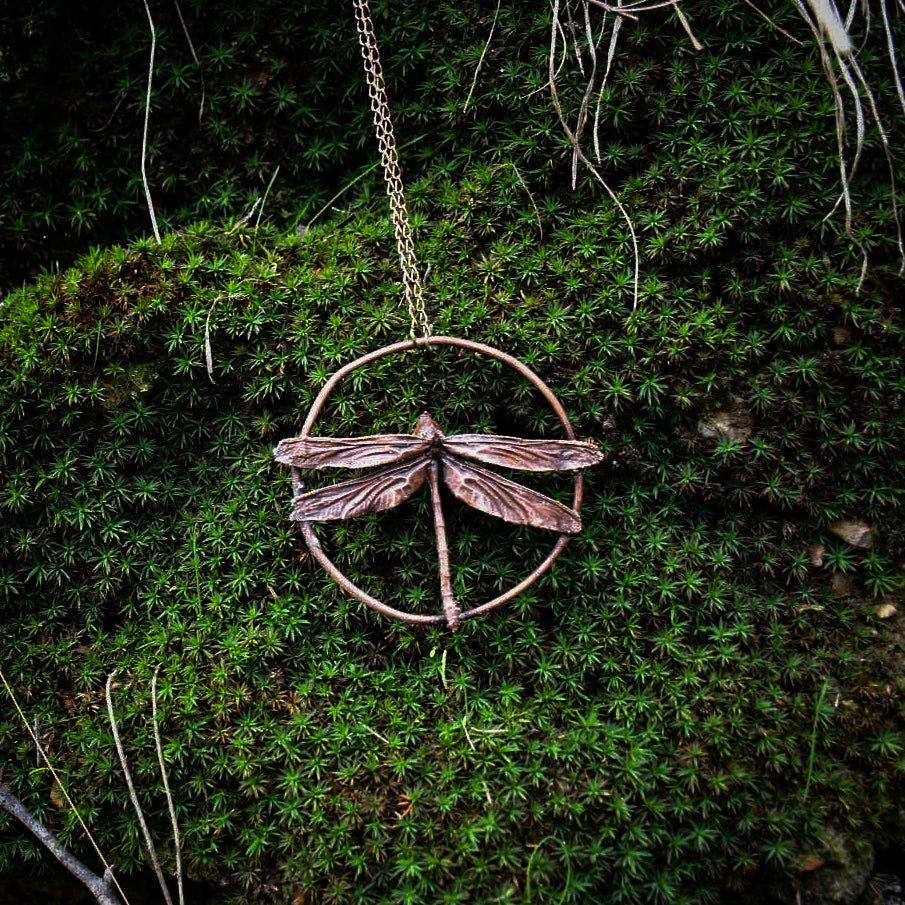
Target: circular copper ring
311,538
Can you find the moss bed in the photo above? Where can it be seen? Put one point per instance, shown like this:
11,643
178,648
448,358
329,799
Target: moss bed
699,701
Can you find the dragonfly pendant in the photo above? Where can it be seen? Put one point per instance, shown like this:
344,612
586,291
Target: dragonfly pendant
429,456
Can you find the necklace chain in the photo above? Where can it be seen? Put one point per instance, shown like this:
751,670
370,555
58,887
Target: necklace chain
386,140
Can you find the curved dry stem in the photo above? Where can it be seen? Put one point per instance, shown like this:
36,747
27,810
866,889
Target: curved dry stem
890,46
845,174
149,843
889,161
687,26
611,51
859,112
474,81
144,134
573,138
763,15
831,23
583,109
177,844
630,9
518,175
188,38
851,14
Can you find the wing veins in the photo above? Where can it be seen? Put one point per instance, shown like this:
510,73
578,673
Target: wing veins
360,496
524,455
348,452
496,495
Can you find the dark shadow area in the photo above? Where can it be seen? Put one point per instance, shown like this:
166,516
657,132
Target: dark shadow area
57,887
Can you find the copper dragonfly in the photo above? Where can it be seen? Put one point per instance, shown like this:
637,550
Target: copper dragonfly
424,456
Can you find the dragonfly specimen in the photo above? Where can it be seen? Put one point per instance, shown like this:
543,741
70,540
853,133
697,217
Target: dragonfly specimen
426,456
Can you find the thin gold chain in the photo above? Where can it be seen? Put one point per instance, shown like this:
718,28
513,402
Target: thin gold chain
386,140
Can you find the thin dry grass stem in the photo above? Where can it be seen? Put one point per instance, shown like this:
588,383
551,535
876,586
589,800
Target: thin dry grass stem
614,37
828,17
619,10
565,44
109,877
861,125
562,62
540,225
687,26
556,29
845,173
589,32
845,176
837,57
890,46
576,44
474,81
524,185
629,10
109,118
850,17
848,177
273,178
188,38
374,732
144,134
471,744
764,16
149,843
889,159
208,351
244,219
585,101
177,843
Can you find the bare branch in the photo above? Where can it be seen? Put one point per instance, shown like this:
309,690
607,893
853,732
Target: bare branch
109,879
100,887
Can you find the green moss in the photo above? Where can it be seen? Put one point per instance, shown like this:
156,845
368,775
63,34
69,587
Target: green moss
128,382
676,707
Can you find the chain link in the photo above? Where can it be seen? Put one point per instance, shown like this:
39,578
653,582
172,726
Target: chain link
386,140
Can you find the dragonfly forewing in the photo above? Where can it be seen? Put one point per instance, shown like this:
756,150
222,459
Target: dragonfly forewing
371,493
505,499
525,455
348,452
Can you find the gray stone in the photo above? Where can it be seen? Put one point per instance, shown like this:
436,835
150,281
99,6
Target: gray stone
855,533
842,876
727,424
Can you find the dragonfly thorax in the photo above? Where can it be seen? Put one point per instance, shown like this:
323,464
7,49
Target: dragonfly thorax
428,429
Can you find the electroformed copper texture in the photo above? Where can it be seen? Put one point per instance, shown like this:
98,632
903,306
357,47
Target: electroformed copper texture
425,456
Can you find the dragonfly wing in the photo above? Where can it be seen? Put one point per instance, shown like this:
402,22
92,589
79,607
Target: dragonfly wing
505,499
525,455
371,493
348,452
